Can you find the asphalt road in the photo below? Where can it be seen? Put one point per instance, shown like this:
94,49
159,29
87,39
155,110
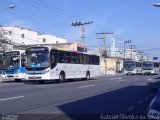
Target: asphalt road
100,98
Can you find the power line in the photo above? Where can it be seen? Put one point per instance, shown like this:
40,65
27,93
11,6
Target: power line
44,9
102,36
38,17
61,11
82,25
42,22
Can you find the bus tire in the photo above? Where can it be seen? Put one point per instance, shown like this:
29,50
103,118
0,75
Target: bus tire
61,77
18,80
41,81
88,75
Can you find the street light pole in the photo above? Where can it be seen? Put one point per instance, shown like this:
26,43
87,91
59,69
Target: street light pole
10,7
156,4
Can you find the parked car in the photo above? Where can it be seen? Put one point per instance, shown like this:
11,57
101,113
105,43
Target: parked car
154,107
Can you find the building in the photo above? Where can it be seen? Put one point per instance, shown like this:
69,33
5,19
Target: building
71,46
24,36
113,65
19,35
49,39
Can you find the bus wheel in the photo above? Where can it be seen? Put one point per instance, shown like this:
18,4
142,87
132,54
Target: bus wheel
41,81
18,80
61,77
88,76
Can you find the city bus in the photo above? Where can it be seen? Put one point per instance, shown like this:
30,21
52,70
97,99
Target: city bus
150,68
48,63
132,67
138,68
13,65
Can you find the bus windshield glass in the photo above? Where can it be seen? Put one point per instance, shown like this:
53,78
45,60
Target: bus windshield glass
129,65
148,65
37,58
11,60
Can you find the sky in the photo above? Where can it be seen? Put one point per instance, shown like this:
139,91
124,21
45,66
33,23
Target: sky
135,20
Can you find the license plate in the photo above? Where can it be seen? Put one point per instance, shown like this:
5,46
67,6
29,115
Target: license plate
34,77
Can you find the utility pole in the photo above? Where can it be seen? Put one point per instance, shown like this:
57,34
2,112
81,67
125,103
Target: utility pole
126,42
132,47
82,25
103,36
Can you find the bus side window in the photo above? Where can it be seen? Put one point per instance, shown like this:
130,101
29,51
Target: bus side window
89,60
53,57
61,57
78,58
81,58
23,57
74,58
98,60
95,60
68,57
84,59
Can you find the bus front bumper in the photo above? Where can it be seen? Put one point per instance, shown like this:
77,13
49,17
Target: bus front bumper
20,76
37,77
7,77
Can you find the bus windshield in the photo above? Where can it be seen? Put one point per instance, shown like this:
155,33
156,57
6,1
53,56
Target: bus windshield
11,62
38,59
148,65
129,65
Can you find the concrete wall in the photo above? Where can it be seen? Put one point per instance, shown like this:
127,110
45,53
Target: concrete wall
113,65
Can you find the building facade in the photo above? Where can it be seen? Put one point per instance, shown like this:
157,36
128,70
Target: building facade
23,36
113,65
49,39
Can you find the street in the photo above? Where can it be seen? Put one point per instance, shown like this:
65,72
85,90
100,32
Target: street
99,96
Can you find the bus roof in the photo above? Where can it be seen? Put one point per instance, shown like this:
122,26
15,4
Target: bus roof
61,49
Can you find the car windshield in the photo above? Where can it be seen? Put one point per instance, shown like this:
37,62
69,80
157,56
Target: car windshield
148,66
11,62
129,65
38,59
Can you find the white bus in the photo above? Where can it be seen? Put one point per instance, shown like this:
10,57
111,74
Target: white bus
13,65
47,63
132,67
150,68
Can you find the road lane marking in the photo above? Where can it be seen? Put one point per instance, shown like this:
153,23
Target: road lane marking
115,79
130,108
11,98
120,81
86,86
149,79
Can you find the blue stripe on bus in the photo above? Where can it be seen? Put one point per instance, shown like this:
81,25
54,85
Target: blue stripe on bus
21,70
